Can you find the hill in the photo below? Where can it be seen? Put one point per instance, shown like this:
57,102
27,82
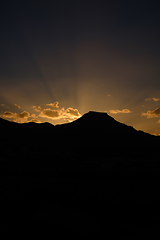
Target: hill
95,139
91,178
92,129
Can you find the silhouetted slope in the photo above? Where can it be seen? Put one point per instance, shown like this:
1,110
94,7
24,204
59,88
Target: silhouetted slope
24,133
101,121
92,129
85,178
100,130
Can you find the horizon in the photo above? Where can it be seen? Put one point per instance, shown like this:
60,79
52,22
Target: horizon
61,60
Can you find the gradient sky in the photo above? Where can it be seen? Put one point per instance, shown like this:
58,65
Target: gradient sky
60,59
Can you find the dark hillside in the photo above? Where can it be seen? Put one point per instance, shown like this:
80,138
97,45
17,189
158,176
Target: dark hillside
87,179
94,137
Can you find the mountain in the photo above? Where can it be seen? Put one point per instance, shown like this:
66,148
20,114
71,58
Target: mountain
100,121
94,136
83,179
101,130
92,129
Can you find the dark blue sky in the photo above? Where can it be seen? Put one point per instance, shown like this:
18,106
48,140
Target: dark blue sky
91,55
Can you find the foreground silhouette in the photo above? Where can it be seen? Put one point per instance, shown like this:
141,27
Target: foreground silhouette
90,178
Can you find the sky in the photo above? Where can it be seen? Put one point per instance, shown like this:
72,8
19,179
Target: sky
61,59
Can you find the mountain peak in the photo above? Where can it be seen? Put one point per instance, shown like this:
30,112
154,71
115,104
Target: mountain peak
94,113
94,119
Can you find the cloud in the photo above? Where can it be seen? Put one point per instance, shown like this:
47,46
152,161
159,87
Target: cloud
35,121
17,106
65,114
40,108
8,114
151,114
49,113
120,111
68,114
37,109
154,99
72,112
23,115
53,105
18,117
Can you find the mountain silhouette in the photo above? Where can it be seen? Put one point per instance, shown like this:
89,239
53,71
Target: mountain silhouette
92,129
101,130
99,120
87,178
94,136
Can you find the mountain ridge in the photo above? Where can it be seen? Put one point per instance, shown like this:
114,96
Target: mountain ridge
88,120
92,129
37,145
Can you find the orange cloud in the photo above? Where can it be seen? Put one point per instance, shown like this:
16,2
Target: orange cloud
18,117
120,111
35,121
23,115
17,106
8,114
151,114
53,105
40,108
66,114
154,99
72,112
49,113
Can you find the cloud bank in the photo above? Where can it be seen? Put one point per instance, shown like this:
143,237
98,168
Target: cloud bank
50,111
53,112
